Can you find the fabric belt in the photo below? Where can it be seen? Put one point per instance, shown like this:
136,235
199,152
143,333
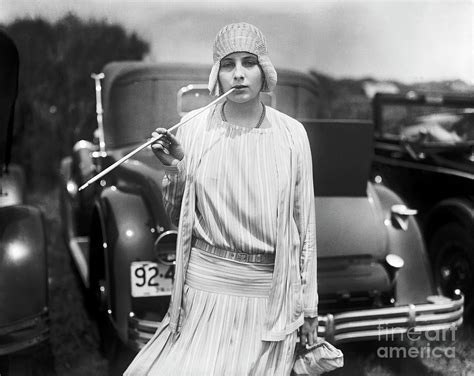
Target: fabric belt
257,258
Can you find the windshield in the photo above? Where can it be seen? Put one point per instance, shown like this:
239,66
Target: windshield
428,124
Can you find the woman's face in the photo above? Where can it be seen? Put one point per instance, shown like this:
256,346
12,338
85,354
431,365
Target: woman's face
240,70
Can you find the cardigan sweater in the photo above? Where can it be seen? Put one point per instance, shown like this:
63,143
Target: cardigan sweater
293,293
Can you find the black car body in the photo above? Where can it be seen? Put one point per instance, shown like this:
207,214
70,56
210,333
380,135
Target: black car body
123,242
24,317
424,151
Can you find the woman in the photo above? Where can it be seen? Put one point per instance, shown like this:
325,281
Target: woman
239,182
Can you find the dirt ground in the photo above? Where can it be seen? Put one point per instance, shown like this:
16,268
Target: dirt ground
74,348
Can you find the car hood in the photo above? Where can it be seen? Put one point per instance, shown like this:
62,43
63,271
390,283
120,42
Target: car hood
352,243
350,227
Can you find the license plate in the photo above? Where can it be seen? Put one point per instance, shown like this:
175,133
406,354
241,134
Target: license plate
151,278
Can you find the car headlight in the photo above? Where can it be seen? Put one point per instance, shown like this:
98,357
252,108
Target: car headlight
393,264
394,261
165,247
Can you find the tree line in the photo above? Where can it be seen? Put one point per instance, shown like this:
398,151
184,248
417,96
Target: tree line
56,98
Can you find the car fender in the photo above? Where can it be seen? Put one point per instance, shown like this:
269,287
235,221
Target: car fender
414,280
128,235
12,186
23,263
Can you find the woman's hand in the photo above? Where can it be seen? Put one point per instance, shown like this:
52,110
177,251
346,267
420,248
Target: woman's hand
167,149
309,331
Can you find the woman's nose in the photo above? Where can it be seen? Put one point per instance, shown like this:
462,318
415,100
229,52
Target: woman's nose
238,72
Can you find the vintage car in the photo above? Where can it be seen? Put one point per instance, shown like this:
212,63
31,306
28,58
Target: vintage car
23,268
424,151
374,274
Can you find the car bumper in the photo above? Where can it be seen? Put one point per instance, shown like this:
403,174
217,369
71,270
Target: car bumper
439,313
24,333
140,331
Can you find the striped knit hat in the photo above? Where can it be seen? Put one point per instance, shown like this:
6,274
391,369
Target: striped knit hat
241,37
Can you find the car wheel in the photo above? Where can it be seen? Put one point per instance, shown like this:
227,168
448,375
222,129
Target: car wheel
97,294
452,248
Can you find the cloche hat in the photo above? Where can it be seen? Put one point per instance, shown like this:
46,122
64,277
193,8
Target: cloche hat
241,37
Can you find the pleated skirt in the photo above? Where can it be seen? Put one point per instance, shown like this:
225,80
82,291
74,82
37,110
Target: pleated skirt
224,305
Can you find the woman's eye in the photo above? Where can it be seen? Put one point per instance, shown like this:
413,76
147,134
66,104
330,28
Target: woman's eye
250,63
226,64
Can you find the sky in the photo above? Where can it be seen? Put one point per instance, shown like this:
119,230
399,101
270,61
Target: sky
404,40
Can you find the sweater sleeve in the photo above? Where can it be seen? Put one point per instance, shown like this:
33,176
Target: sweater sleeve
304,212
173,185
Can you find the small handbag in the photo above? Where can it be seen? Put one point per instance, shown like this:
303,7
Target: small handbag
317,359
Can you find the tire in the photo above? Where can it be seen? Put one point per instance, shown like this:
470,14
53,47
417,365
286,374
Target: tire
97,291
97,294
452,249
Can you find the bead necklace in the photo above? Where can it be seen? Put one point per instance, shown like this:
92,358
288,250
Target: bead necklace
260,121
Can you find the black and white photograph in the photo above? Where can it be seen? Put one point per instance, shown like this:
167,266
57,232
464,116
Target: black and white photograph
236,188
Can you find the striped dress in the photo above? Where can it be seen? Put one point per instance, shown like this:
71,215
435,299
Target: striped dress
225,301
